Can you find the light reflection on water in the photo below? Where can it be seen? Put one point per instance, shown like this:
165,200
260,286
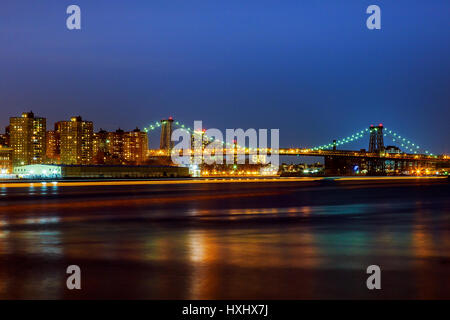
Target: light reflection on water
242,248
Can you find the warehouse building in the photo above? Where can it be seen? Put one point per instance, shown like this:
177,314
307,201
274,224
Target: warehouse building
98,171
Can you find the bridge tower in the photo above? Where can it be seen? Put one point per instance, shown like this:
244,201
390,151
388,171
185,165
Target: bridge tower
166,135
376,143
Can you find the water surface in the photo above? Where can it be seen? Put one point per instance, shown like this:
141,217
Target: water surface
266,240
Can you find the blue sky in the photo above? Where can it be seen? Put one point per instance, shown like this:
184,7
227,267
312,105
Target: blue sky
310,68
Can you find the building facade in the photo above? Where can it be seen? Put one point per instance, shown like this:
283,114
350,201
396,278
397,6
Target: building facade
116,146
100,147
98,172
76,141
4,137
135,147
27,139
6,164
53,146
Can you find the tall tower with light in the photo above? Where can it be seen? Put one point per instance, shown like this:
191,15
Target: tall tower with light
376,143
166,134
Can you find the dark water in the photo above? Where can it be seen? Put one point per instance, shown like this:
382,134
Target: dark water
277,240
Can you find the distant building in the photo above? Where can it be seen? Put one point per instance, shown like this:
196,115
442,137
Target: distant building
53,146
259,158
4,137
100,147
39,171
27,139
393,149
99,171
166,134
301,169
76,141
6,164
126,148
198,137
116,146
135,147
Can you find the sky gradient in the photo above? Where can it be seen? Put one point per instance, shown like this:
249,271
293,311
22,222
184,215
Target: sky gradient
310,68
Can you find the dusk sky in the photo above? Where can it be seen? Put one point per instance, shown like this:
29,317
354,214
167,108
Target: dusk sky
310,68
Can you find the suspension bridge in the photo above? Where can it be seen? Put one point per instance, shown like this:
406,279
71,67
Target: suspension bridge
402,155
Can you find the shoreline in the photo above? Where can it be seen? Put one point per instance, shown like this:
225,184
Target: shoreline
120,182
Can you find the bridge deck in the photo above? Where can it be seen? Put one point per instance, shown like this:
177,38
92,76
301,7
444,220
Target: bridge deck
324,153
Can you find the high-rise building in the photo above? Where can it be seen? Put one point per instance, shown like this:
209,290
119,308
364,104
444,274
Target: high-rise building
53,144
6,159
166,134
125,147
100,147
199,139
27,139
116,146
4,137
76,141
135,147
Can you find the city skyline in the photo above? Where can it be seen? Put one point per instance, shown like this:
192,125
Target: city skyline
292,66
75,142
34,123
158,142
28,140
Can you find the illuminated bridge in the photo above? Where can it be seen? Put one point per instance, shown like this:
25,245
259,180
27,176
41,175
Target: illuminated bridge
406,156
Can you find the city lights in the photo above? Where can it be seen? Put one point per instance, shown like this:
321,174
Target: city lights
74,142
